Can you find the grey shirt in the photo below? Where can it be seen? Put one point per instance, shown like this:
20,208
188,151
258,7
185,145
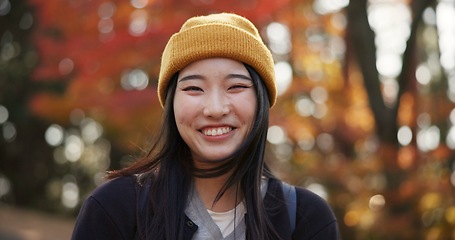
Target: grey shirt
208,229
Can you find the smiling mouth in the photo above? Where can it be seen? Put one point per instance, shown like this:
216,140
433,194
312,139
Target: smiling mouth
216,131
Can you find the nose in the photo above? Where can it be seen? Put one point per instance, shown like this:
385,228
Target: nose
216,105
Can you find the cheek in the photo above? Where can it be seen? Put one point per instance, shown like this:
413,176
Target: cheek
183,110
180,116
247,109
178,102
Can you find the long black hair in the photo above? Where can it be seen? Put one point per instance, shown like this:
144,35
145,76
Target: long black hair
169,165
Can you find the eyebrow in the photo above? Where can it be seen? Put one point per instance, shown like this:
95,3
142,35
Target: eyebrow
241,76
190,77
229,76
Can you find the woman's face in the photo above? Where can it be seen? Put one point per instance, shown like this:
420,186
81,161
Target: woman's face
214,107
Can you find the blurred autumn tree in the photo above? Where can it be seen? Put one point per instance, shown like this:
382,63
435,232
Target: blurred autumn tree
365,114
371,124
24,156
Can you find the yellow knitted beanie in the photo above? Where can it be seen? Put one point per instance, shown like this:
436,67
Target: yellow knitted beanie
217,35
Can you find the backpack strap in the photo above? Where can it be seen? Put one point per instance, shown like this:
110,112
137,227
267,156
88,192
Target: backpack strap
290,197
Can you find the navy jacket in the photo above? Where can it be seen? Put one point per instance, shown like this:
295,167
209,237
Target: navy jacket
110,213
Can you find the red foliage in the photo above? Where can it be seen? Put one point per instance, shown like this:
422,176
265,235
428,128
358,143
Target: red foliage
72,48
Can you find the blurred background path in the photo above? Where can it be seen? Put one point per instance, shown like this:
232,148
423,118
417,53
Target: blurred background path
24,224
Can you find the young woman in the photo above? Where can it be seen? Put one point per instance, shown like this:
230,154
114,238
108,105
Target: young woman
205,177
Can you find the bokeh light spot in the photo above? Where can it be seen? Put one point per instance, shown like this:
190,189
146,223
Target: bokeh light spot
106,10
138,22
319,94
91,130
5,185
423,74
283,73
452,117
404,135
389,65
9,131
74,147
54,135
26,21
279,38
390,90
139,3
325,142
305,107
105,26
377,202
329,6
66,66
428,138
5,7
135,79
429,16
450,139
276,135
306,142
4,114
9,51
70,195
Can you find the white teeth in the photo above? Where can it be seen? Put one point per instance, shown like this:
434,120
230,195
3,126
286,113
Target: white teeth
217,131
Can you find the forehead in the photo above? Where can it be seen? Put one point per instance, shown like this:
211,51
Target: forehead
214,65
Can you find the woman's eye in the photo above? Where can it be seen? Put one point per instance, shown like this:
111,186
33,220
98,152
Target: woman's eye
192,88
239,87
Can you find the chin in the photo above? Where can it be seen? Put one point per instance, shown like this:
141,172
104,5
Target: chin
216,157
